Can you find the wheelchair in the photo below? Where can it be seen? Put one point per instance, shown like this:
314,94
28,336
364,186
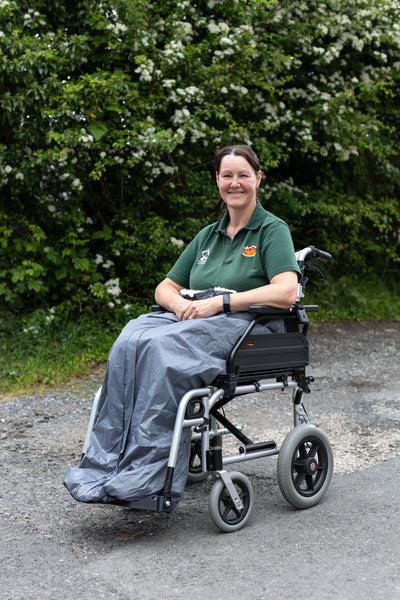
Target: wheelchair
257,363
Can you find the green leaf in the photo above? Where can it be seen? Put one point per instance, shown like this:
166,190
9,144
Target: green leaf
98,129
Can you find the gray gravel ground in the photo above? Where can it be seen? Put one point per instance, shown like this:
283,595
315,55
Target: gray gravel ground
346,547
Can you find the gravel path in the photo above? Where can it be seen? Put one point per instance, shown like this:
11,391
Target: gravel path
355,399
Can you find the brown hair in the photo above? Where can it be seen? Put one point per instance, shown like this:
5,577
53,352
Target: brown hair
244,151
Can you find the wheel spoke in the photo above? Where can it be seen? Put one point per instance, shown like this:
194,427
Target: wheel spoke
299,465
313,450
228,507
299,480
226,512
303,451
310,482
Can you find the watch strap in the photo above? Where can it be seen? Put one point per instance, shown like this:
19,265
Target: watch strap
227,303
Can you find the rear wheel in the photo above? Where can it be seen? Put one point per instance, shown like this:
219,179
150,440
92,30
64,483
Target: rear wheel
196,473
305,465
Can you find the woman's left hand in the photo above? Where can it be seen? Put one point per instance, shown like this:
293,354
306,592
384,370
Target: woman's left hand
200,309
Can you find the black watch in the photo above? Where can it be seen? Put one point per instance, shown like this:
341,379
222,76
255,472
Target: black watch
227,304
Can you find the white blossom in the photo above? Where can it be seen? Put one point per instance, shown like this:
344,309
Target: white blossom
108,264
168,83
239,88
32,329
112,287
178,243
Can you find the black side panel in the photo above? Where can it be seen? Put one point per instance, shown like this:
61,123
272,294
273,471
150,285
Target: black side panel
260,355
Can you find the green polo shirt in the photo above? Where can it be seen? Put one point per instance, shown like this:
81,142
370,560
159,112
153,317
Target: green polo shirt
260,250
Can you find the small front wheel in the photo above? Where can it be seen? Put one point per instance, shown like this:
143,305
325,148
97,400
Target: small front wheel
224,514
305,465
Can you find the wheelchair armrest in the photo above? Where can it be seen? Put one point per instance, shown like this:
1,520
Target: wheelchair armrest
157,308
270,310
298,310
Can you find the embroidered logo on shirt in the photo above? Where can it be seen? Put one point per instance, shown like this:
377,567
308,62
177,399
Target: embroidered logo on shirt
204,255
249,251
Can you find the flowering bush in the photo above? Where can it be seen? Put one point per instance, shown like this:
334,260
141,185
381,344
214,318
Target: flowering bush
111,113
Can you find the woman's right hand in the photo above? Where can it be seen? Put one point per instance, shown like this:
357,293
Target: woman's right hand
167,295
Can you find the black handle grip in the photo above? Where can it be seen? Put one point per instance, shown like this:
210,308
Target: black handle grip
321,254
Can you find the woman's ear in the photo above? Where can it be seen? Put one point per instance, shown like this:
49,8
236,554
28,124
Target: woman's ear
258,179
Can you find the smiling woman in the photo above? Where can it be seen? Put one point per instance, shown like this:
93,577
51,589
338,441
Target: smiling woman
243,256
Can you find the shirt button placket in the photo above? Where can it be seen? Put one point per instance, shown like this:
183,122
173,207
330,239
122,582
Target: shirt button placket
228,247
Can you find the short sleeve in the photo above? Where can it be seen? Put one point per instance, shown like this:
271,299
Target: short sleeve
180,272
277,250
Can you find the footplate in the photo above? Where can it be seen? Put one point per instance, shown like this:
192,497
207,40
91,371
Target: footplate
154,502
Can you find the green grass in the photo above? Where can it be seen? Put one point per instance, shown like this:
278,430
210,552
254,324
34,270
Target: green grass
351,299
49,349
49,356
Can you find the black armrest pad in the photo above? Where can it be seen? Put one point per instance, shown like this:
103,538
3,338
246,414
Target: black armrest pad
311,307
270,310
157,308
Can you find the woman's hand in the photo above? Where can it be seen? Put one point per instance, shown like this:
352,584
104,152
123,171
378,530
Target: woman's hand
167,295
201,309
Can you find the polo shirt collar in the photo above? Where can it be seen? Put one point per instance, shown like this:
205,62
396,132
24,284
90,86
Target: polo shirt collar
255,221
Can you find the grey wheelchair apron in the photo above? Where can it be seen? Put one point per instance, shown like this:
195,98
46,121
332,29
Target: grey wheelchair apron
155,360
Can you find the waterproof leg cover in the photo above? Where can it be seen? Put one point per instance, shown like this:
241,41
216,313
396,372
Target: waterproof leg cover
154,361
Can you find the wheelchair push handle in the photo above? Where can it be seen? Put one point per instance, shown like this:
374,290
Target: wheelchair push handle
321,254
310,253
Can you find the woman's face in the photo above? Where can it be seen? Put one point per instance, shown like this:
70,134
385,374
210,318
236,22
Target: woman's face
237,182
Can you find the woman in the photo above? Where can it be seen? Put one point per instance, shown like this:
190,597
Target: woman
246,258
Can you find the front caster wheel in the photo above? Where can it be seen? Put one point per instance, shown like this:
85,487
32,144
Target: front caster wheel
305,465
224,514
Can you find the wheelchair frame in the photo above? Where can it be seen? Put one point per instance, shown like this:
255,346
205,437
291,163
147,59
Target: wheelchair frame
305,460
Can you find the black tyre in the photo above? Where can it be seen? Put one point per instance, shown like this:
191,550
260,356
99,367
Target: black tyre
195,471
223,511
305,465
